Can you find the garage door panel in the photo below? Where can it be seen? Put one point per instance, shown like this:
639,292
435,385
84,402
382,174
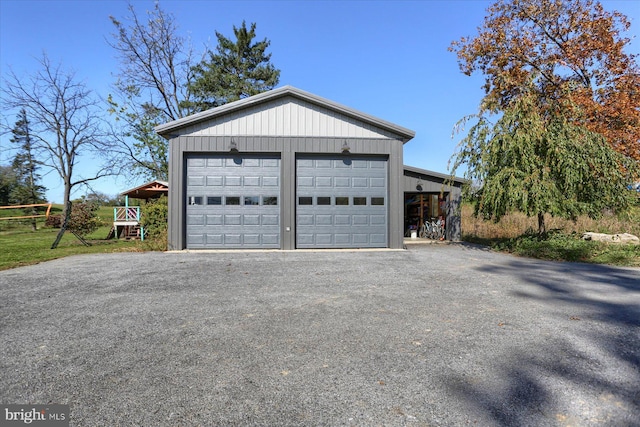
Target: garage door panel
271,239
378,183
324,181
342,219
215,219
232,181
377,219
214,239
305,219
378,239
195,219
232,219
324,239
252,163
340,202
195,162
360,182
360,219
195,239
360,239
342,182
234,162
215,181
305,181
195,180
343,239
251,239
270,219
305,240
213,162
232,239
233,202
270,181
251,181
251,220
326,220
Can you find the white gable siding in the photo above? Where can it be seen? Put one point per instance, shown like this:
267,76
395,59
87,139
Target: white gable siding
286,117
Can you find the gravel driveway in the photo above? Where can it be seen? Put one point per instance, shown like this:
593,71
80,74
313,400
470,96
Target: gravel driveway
446,335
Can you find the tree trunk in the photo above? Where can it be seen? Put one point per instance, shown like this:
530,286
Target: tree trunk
542,227
34,226
66,213
65,220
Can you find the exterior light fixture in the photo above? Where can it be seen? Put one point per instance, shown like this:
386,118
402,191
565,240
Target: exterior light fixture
345,147
233,147
419,185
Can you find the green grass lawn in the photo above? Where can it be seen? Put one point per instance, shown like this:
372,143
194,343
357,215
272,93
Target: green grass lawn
21,246
565,247
515,233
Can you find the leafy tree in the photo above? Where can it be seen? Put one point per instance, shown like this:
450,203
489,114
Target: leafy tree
540,161
154,217
236,70
573,50
99,199
65,120
8,181
152,86
27,191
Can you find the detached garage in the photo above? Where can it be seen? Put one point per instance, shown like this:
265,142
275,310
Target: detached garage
285,169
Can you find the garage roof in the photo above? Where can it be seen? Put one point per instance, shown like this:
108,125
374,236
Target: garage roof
166,130
428,174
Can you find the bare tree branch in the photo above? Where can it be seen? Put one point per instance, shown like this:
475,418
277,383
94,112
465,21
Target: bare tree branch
66,120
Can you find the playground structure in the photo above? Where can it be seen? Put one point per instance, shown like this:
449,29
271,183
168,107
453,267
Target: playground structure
126,222
126,219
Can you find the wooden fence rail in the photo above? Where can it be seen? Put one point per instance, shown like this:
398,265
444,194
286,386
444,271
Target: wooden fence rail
46,215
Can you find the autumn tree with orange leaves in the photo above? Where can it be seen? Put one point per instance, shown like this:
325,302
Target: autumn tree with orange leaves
558,130
573,50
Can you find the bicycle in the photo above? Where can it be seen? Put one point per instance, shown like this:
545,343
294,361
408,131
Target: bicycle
433,229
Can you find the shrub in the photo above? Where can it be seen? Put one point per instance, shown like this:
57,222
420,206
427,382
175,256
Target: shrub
154,215
83,219
53,221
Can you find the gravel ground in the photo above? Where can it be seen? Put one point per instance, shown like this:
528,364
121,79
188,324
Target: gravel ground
438,335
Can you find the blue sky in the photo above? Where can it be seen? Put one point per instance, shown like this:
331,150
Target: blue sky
384,58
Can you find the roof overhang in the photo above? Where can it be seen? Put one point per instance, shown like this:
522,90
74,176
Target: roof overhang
149,190
425,174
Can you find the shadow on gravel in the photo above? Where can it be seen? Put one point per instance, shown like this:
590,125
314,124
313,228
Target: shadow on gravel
594,364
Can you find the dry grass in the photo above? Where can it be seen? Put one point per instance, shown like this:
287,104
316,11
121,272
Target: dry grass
517,224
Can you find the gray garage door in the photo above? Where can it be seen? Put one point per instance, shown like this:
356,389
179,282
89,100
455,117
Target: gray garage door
341,202
233,201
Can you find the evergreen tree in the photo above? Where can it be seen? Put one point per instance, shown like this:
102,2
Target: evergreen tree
237,70
7,183
26,190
